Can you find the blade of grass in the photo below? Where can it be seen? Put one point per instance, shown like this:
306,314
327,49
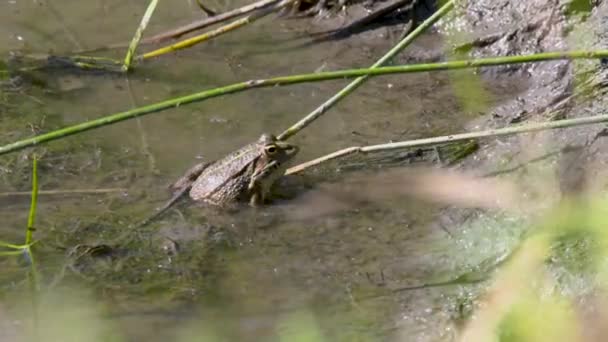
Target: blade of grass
138,33
34,203
29,240
26,249
294,79
10,245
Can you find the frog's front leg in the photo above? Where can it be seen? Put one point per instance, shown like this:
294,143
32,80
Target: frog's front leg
256,191
257,198
259,184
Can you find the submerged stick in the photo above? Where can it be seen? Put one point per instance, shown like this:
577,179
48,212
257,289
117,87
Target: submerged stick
205,9
366,20
214,33
138,33
315,114
294,79
200,24
64,192
533,127
42,61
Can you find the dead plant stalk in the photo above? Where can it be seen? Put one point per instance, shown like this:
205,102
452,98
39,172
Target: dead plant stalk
492,133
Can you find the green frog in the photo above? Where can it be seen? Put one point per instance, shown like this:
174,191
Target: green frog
244,175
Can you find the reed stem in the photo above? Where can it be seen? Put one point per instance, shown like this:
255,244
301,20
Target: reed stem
491,133
138,33
288,80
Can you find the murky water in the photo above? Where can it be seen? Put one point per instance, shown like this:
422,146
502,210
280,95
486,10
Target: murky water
246,274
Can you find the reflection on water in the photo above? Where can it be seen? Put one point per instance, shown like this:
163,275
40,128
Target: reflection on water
263,272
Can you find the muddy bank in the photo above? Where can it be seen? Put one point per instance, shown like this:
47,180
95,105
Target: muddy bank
554,90
548,165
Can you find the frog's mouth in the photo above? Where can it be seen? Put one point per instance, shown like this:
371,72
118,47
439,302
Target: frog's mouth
289,149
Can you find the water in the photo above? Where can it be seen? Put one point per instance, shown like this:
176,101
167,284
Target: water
250,274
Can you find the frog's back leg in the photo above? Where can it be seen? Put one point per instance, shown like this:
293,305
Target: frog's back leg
233,190
185,182
179,188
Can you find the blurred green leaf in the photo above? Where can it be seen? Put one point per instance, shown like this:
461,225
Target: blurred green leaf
537,319
579,6
300,327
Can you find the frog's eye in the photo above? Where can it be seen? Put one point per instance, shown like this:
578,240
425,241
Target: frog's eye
271,149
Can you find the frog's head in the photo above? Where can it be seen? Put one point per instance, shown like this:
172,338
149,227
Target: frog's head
274,150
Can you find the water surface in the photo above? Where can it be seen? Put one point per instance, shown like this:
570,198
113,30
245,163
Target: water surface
246,274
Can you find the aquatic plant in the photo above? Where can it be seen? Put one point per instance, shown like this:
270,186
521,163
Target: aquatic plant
25,250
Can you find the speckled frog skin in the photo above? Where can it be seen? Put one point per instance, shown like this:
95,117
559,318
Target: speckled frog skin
244,175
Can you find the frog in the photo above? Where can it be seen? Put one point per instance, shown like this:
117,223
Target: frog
245,175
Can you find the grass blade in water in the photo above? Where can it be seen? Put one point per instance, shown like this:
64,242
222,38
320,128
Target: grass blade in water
138,33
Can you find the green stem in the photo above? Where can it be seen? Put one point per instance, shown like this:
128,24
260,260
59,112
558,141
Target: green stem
320,110
138,33
33,273
286,80
33,205
10,245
